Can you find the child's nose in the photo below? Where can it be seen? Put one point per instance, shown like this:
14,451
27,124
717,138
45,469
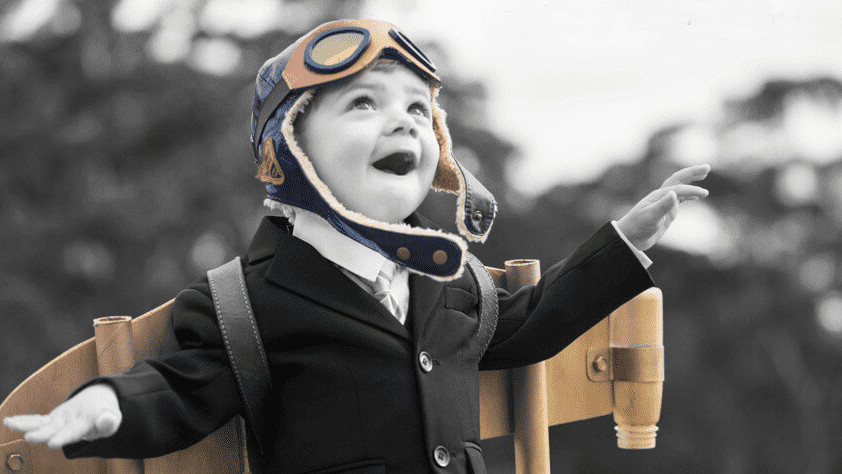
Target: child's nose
403,123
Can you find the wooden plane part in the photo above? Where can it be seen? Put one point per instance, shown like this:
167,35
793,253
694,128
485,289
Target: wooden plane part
615,367
223,451
40,393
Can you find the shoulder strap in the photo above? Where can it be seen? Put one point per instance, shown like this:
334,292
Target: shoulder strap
242,341
488,304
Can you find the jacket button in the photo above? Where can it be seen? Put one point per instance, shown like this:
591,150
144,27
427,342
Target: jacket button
442,456
426,361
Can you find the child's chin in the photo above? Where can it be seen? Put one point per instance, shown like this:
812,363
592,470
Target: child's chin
391,209
393,198
394,214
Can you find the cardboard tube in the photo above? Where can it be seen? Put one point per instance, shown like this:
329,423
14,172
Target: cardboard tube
636,346
114,349
529,390
113,335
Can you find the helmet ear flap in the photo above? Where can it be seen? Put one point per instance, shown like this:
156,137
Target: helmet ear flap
476,207
448,175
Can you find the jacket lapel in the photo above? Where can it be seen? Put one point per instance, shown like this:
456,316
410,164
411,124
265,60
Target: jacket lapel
299,268
424,294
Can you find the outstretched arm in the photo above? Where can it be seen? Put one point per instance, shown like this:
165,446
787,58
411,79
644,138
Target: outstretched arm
538,321
162,405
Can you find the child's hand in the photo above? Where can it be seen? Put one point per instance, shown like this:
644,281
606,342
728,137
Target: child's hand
91,414
651,217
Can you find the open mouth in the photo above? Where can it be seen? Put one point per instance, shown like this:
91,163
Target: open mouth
399,163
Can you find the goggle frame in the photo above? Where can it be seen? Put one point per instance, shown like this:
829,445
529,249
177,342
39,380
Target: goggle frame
302,70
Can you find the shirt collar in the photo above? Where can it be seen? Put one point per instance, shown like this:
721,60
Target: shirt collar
335,246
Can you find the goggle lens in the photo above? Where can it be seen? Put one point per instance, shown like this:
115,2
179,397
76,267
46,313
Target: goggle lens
336,49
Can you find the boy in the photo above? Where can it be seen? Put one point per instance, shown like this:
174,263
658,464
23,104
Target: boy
369,322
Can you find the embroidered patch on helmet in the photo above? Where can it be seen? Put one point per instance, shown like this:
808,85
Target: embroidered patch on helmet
269,170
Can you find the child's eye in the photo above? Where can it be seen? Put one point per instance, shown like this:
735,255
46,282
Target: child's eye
420,108
363,102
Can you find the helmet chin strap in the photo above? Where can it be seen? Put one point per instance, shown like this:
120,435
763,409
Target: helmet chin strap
476,208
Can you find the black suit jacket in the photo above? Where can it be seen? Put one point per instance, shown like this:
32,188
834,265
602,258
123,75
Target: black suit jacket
349,392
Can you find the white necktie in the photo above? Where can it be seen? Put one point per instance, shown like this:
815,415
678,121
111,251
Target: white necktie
382,286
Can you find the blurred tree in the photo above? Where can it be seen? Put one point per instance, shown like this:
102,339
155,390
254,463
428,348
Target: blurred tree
126,168
753,328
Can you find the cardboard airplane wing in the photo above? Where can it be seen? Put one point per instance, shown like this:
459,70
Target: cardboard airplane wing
118,342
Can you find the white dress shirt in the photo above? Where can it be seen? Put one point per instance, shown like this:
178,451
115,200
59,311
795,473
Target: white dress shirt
355,260
644,260
360,263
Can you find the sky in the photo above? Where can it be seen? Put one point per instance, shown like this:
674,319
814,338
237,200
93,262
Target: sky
581,84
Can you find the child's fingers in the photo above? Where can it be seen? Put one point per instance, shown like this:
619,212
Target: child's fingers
672,213
663,205
688,191
26,422
70,434
43,434
686,175
107,424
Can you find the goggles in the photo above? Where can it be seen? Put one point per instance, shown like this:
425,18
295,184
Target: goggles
337,51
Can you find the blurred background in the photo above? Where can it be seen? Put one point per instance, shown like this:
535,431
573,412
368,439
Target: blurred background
125,173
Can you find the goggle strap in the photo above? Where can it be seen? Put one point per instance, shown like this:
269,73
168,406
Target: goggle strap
267,108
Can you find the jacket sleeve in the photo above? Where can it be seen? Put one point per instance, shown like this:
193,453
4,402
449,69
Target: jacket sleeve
538,321
171,403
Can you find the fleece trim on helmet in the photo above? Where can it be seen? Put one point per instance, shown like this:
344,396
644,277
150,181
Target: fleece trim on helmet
424,237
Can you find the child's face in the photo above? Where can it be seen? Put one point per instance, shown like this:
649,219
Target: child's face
371,141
